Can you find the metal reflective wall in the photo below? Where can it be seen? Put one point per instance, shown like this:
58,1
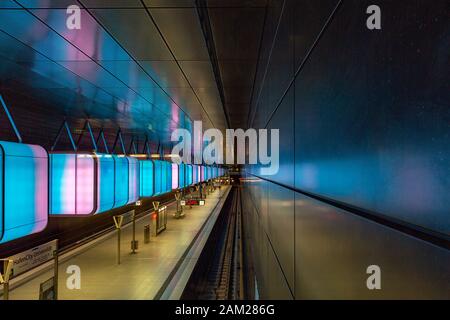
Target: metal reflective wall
363,118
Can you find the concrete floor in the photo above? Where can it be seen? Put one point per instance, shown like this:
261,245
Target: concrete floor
139,276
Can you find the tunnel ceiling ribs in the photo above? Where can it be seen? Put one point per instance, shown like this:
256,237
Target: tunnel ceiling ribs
136,65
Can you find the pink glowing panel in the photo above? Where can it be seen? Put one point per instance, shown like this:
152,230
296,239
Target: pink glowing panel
62,183
85,187
72,178
174,176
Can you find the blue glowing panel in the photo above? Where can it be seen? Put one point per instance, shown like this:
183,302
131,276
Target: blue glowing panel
1,193
182,175
188,175
158,176
133,172
24,180
105,182
72,179
62,183
202,173
146,178
121,181
169,176
163,177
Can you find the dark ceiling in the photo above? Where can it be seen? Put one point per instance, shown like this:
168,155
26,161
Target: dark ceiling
237,28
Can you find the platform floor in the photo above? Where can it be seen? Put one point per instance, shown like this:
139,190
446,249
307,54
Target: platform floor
139,276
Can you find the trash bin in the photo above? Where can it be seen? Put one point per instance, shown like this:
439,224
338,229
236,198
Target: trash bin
147,233
134,245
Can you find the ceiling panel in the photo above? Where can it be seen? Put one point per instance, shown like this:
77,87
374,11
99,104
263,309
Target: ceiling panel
169,3
117,69
130,73
37,35
112,3
237,3
210,100
182,31
166,73
199,73
237,27
133,29
91,38
238,94
8,4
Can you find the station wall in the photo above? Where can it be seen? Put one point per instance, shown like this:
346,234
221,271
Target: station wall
363,118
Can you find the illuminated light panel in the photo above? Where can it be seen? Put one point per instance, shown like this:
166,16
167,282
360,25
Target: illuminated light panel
182,175
158,176
133,172
164,177
188,175
105,182
72,189
146,173
194,174
121,183
202,173
24,190
169,176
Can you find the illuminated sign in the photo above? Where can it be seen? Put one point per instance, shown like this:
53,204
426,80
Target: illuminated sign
193,202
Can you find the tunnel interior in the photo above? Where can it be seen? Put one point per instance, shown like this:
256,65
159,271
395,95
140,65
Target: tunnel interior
345,105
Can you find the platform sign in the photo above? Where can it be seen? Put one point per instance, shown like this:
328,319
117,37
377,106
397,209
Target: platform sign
47,290
193,202
32,258
118,221
127,217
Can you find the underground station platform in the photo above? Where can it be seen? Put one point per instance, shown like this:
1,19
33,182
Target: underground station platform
224,158
159,268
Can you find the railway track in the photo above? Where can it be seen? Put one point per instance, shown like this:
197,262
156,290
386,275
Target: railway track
219,274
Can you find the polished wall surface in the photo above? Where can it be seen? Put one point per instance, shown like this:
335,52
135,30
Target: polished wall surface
363,118
24,190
